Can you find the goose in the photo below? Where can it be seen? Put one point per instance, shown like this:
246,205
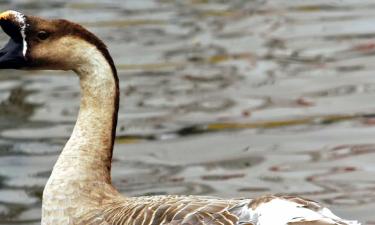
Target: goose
79,190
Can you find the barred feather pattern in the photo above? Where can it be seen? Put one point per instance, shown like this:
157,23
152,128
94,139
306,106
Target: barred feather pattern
199,210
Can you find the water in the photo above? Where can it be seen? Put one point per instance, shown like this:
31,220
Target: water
226,98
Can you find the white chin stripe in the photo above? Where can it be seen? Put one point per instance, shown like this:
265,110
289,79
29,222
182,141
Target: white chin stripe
21,20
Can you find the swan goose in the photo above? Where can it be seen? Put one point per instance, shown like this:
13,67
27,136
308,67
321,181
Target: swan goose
79,190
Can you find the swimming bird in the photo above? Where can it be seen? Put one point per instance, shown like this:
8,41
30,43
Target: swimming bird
79,190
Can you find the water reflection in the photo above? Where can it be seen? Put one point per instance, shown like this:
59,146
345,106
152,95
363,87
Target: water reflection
228,98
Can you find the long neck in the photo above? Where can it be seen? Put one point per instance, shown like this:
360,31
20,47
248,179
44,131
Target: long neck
81,177
88,153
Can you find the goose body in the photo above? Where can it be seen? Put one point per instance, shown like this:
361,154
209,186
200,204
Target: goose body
79,190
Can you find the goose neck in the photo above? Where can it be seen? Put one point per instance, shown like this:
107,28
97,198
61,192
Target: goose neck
88,153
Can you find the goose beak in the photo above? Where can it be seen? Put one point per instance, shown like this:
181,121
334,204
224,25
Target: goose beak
12,54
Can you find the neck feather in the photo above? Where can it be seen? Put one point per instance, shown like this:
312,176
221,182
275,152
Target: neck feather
88,153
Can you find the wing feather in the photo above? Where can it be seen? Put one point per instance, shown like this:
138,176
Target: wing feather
194,210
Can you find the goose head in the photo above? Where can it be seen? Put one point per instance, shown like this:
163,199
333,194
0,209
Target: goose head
37,43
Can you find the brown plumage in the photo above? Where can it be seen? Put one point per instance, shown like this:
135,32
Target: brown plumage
168,210
79,190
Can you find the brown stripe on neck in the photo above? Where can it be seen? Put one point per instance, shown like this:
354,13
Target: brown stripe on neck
79,31
88,36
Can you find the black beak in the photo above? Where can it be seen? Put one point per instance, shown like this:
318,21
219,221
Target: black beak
11,56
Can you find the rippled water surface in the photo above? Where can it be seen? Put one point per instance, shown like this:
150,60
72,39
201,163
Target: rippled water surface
227,98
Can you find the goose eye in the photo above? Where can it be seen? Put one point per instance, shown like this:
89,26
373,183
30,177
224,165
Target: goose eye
43,35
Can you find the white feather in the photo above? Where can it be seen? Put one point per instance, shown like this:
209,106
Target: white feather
281,212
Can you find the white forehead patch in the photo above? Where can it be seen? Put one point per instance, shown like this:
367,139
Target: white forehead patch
21,20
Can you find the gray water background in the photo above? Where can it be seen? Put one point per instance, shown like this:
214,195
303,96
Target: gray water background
228,98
